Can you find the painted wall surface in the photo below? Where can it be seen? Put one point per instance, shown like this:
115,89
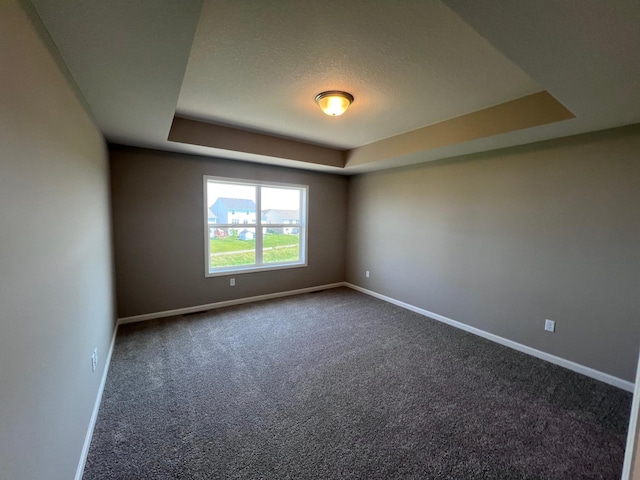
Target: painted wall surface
503,240
56,301
158,222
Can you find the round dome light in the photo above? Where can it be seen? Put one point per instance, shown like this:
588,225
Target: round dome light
334,102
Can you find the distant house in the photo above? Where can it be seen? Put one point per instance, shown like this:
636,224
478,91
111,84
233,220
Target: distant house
246,235
275,216
233,211
211,221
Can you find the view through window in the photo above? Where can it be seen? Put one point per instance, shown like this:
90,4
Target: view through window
253,225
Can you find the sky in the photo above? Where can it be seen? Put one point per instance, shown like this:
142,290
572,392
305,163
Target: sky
277,198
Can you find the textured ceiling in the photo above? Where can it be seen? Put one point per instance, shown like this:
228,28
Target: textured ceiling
255,66
259,65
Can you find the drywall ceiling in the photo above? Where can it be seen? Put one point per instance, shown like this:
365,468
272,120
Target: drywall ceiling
432,79
260,64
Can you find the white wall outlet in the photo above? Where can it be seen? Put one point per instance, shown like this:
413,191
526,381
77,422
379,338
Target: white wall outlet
94,359
366,274
232,282
550,325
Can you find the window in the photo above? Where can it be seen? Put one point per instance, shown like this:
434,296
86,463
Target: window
273,231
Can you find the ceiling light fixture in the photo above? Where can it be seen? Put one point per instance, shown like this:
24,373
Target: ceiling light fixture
334,102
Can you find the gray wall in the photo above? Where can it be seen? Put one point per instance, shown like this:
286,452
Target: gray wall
503,240
159,231
56,300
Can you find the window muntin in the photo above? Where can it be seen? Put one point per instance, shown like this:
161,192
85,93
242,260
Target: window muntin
252,226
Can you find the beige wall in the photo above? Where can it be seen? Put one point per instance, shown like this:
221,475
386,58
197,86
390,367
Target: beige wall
56,300
159,231
504,240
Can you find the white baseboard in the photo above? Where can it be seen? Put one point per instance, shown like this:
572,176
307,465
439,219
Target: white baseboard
96,408
576,367
226,303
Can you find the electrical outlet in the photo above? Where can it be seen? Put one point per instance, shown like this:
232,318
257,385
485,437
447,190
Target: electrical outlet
366,274
94,359
550,325
232,282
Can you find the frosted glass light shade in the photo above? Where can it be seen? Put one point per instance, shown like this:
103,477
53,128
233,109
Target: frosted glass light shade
334,102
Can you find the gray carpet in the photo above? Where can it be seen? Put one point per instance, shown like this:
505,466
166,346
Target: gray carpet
337,384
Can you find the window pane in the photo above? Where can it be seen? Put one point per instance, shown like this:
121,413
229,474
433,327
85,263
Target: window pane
280,205
242,216
282,245
231,246
231,204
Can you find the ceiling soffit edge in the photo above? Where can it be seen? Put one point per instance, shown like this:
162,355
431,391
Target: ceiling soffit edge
526,112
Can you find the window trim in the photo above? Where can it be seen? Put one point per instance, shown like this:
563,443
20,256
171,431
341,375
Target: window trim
258,266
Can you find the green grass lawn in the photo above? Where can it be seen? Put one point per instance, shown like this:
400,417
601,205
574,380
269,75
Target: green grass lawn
234,244
234,250
276,240
286,254
232,259
230,244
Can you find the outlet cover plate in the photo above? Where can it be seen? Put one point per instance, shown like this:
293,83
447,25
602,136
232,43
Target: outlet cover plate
550,325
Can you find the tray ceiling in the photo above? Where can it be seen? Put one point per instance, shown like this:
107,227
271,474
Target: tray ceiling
431,79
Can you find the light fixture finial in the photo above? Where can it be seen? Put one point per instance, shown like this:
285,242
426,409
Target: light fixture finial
334,102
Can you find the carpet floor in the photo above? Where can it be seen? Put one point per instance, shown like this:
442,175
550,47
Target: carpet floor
340,385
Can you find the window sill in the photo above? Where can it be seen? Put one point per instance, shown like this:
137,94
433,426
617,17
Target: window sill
253,269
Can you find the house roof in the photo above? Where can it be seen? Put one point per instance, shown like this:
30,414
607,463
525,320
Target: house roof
284,214
431,80
236,203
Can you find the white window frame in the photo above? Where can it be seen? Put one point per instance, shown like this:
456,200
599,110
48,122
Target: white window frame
259,266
